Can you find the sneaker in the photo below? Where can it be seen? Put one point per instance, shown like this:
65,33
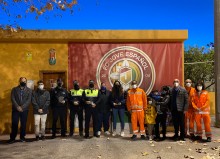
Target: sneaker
134,137
182,139
114,133
37,138
122,134
107,133
11,141
143,137
99,133
209,139
22,139
150,137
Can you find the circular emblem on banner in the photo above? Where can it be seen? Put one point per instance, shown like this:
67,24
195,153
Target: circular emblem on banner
125,64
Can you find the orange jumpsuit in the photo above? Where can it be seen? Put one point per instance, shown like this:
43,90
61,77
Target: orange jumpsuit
137,104
190,115
202,111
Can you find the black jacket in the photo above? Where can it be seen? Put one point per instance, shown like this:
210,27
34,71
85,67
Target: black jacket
181,99
104,102
164,102
57,94
16,98
40,100
118,99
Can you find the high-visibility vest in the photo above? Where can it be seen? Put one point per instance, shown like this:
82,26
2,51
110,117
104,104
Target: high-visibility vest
91,93
76,93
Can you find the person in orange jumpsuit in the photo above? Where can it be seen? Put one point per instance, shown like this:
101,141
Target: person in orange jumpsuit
137,104
189,115
201,104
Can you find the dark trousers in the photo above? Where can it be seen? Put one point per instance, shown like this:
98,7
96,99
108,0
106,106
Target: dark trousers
103,119
161,119
73,112
59,113
91,112
178,122
16,116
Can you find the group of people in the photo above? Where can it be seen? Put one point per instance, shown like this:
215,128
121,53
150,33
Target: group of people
185,104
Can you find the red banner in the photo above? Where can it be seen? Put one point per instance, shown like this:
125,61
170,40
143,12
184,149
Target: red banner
151,64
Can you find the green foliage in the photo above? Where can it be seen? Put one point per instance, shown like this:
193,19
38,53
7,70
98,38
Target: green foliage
198,64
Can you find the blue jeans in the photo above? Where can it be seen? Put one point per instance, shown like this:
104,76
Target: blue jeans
121,113
103,119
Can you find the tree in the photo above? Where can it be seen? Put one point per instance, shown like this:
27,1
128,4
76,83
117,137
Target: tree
199,63
17,9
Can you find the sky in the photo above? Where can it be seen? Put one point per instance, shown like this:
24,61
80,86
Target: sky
196,16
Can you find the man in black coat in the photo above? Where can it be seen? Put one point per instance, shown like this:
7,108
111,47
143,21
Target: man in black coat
179,105
59,100
21,99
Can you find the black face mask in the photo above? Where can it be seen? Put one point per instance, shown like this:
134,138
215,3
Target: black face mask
76,87
91,85
22,84
59,84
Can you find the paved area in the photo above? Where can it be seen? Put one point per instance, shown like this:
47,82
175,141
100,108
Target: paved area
107,147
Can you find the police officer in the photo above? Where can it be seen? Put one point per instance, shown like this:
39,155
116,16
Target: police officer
76,107
90,98
59,99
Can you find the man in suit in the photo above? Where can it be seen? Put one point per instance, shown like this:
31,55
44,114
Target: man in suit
21,99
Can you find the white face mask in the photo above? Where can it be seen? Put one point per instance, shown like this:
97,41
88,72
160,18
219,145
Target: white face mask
176,84
149,102
41,87
134,86
188,84
199,88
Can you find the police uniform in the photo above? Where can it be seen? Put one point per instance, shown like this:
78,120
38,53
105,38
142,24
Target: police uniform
92,96
76,107
59,109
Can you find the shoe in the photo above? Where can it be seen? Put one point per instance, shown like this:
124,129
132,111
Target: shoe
209,139
63,135
114,133
134,137
107,133
163,138
99,133
11,141
150,137
192,137
198,138
37,138
182,139
86,136
122,134
70,134
143,137
157,138
80,133
22,139
175,137
53,136
42,137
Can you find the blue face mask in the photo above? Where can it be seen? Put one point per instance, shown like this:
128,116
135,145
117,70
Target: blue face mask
103,88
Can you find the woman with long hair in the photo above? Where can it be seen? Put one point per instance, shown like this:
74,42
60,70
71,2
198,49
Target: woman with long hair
118,106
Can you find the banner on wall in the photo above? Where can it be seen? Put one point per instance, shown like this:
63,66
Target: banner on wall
151,64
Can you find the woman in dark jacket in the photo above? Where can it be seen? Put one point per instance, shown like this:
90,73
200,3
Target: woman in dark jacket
103,108
118,106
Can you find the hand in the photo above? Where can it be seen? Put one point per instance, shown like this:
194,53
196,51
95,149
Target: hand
76,103
93,105
63,102
40,110
114,104
19,108
88,102
119,103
